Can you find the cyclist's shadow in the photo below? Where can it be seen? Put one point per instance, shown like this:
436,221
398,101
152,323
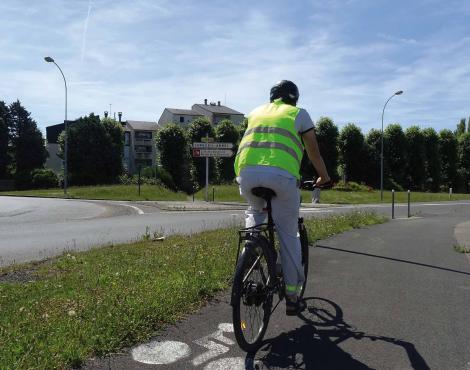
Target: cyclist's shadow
315,344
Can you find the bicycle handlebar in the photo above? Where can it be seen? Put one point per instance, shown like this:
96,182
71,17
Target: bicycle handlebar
326,185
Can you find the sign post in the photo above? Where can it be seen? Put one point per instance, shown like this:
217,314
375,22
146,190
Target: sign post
207,168
208,148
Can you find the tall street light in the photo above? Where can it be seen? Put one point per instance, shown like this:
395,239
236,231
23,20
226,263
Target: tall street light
382,148
50,60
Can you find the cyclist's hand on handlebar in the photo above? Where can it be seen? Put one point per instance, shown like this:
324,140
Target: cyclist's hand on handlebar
322,181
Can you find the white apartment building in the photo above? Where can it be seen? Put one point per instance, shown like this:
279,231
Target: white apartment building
214,112
139,145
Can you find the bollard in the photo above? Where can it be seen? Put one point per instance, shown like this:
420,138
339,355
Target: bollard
138,181
450,193
409,204
393,204
213,194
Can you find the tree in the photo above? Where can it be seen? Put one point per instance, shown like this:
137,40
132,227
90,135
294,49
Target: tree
351,152
432,160
242,128
226,131
27,143
395,154
373,144
197,130
460,128
448,155
416,158
4,140
327,136
94,150
172,146
115,135
464,162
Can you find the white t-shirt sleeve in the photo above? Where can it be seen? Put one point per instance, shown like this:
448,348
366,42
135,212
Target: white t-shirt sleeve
303,122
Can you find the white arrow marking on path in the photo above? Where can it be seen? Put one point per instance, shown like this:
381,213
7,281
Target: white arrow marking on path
214,349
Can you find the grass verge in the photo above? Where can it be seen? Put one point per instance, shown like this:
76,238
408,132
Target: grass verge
108,192
58,313
230,193
226,193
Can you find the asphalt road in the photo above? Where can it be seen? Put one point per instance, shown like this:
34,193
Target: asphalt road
392,296
36,228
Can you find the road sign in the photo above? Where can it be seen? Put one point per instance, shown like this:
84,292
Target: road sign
212,145
212,153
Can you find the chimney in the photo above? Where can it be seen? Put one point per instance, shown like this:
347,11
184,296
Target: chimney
205,101
218,103
105,114
120,116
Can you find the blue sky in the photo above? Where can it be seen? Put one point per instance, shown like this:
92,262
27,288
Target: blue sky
141,56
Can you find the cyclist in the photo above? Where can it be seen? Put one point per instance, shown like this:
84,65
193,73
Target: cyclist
269,156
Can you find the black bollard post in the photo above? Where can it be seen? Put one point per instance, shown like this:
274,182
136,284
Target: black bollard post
409,193
393,204
213,194
138,180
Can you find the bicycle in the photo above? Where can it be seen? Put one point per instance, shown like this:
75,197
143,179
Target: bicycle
258,277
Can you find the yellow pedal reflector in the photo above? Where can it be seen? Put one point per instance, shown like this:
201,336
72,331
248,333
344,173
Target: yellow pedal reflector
243,325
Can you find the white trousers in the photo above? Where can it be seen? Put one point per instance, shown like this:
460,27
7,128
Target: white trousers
285,211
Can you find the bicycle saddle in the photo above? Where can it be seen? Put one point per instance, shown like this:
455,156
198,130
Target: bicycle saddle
264,193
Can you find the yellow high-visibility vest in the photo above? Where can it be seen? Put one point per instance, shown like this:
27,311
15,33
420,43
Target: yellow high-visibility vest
271,139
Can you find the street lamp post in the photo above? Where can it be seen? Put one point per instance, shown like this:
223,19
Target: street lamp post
50,60
382,148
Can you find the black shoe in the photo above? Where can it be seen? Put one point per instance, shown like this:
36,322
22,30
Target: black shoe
294,308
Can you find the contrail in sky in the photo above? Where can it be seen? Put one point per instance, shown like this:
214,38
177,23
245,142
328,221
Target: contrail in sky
85,30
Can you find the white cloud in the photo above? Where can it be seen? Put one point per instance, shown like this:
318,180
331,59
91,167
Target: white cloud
144,56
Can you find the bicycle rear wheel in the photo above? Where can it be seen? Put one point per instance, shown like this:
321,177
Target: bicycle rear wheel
252,296
305,254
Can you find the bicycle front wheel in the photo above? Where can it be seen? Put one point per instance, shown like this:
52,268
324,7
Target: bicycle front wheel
251,295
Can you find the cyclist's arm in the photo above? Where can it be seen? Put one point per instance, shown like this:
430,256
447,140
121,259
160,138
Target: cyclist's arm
313,152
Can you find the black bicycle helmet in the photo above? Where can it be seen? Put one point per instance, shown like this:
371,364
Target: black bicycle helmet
286,90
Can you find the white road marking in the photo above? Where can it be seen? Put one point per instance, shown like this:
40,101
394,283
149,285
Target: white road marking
232,363
139,211
320,210
161,353
214,349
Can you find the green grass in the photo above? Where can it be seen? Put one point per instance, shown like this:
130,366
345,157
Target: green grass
109,192
226,193
230,193
461,249
99,301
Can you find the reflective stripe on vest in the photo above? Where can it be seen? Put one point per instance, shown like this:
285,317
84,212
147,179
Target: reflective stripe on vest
276,130
271,139
256,144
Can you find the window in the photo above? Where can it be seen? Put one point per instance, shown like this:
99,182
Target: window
181,119
143,149
126,138
143,135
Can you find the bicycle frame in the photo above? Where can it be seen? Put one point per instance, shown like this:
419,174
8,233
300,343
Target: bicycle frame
265,228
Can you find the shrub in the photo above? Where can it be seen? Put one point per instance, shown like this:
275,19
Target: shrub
162,176
351,186
43,178
134,180
23,180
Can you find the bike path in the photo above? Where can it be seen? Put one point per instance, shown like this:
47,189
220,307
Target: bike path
392,296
